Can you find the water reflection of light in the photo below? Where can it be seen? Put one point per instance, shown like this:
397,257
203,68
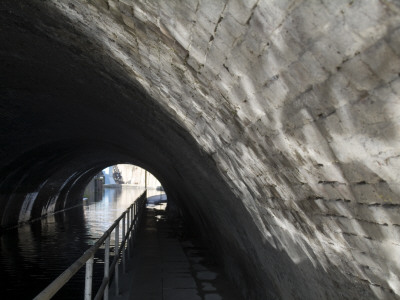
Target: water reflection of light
108,195
32,255
100,215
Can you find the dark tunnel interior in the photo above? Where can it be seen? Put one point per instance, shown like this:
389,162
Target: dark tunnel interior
65,116
279,152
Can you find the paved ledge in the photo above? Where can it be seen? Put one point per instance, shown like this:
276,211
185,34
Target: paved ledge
163,267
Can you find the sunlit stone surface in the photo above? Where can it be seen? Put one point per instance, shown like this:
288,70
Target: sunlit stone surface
274,125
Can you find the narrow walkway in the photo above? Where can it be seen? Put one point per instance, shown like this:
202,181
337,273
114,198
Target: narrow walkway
165,268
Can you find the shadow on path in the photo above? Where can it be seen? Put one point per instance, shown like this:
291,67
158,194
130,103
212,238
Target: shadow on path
166,265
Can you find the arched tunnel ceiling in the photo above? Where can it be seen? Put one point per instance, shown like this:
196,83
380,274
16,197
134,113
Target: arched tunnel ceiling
274,123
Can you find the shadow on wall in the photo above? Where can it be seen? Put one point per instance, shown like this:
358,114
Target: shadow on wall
313,216
323,151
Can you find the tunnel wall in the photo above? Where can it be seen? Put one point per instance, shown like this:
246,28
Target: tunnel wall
277,126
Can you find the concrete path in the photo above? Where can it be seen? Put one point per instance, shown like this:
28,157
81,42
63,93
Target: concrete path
164,268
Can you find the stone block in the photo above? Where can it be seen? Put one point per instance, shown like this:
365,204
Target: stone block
382,61
240,10
360,74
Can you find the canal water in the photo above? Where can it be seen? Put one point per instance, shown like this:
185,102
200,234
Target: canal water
33,255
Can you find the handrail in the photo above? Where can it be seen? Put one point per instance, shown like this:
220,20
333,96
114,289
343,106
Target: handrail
133,213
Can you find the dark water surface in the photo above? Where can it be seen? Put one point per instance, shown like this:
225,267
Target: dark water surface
33,255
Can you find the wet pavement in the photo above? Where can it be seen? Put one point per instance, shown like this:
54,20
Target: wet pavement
167,266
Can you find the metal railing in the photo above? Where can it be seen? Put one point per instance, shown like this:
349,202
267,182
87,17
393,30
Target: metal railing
130,221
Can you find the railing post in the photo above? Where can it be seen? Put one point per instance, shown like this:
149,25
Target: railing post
123,249
129,232
133,224
88,257
136,207
106,266
89,279
128,213
116,251
128,223
135,221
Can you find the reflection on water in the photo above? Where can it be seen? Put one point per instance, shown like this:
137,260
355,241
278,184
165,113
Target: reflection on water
101,215
34,254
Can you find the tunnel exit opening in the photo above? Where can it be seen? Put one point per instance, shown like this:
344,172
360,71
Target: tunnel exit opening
120,178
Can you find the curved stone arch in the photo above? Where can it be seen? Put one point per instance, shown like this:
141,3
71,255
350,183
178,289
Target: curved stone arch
31,172
262,93
45,183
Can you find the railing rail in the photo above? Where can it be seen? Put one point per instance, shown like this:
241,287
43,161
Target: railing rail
129,229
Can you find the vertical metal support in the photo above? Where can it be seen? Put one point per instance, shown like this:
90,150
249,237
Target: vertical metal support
123,249
89,279
128,244
132,212
128,224
135,221
139,210
106,266
133,224
131,218
133,215
116,250
133,227
129,232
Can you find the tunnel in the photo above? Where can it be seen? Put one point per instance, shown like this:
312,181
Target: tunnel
272,125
